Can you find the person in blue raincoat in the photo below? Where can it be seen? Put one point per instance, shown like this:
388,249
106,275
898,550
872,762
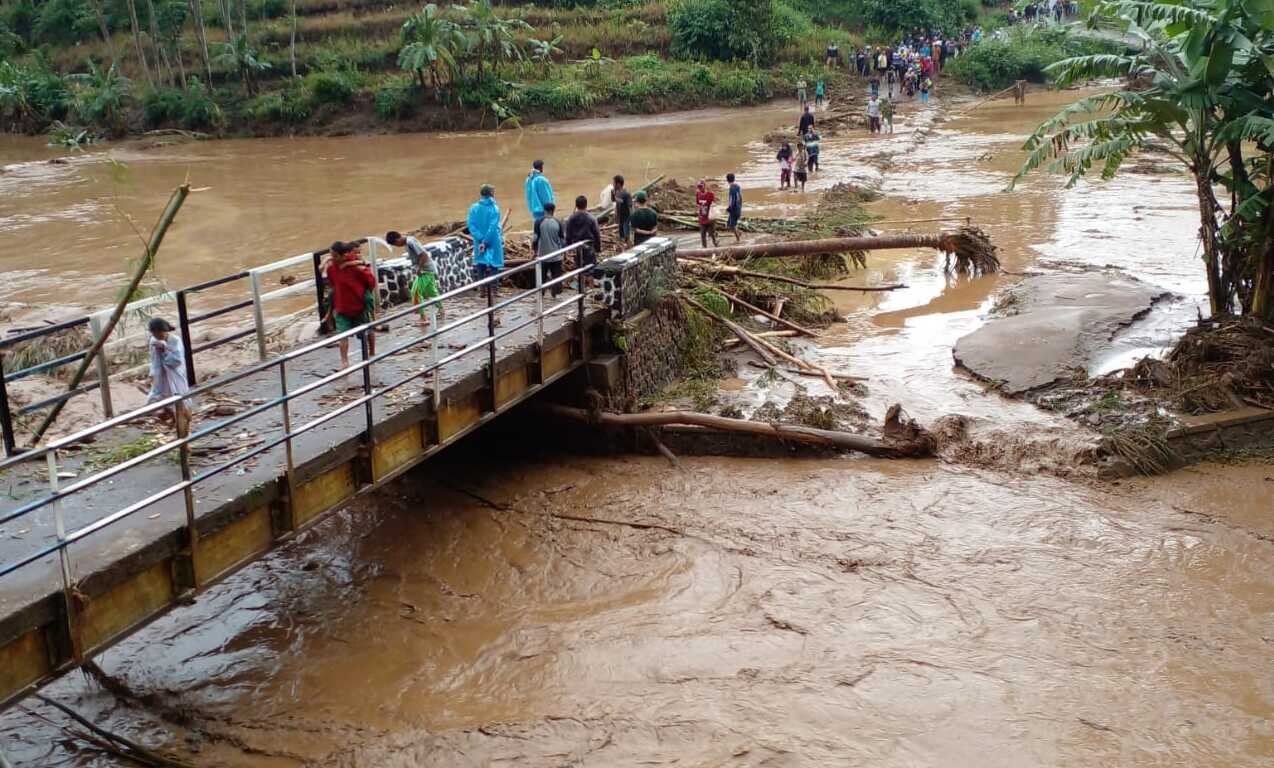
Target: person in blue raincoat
485,228
538,192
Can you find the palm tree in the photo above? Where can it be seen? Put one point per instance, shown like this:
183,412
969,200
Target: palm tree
430,44
490,35
1198,93
240,54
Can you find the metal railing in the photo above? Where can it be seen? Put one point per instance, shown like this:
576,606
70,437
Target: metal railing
190,479
186,321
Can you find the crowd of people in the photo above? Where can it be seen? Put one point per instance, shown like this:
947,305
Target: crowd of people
1054,10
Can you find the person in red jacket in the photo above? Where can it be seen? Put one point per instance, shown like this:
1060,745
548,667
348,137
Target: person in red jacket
704,198
353,294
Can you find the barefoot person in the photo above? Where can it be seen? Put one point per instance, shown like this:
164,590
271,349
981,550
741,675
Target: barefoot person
353,292
704,198
734,208
424,286
168,373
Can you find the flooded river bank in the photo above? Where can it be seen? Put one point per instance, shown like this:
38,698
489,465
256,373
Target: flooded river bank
559,609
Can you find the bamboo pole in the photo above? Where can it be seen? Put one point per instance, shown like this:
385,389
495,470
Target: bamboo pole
785,323
790,433
723,270
179,196
747,338
825,245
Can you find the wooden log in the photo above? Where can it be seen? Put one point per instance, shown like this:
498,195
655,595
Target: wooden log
784,432
824,245
737,330
764,335
785,323
803,372
724,270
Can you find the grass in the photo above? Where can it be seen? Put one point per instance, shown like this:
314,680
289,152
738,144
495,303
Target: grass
126,451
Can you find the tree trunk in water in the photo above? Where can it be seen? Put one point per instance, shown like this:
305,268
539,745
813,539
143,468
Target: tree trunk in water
920,447
137,41
201,33
105,30
1218,292
812,247
292,44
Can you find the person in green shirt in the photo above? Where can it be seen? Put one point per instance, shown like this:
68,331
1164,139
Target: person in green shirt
645,220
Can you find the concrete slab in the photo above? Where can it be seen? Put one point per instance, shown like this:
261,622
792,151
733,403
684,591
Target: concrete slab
1059,323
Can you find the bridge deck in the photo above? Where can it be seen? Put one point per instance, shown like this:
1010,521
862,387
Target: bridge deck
134,570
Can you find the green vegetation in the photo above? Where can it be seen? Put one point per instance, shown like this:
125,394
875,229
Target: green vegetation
1024,54
1200,94
265,66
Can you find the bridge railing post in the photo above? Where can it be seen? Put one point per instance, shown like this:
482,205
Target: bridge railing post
103,368
188,493
367,383
491,339
64,557
539,304
258,312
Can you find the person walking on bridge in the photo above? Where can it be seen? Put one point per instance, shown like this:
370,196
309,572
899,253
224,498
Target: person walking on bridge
539,192
353,295
168,373
486,230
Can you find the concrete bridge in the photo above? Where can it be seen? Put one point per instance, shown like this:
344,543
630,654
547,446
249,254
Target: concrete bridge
102,547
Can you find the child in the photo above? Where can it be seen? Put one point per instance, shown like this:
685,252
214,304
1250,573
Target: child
820,91
424,286
801,165
168,373
925,85
704,198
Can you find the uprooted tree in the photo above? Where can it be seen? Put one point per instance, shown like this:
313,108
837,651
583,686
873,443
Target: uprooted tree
1200,92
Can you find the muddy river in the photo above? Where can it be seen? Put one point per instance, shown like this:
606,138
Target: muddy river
500,608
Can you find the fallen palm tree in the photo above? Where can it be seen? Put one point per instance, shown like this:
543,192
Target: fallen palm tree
968,249
903,438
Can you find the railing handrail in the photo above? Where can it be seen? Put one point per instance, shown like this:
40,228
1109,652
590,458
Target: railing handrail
372,394
37,452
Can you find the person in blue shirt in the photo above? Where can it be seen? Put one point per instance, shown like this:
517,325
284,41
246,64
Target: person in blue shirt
485,229
538,192
734,208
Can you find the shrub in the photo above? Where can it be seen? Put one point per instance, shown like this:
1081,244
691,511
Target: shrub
287,106
396,100
161,105
733,29
699,29
329,87
198,109
996,64
559,98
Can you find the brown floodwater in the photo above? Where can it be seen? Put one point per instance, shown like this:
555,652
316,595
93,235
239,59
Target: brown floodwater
760,612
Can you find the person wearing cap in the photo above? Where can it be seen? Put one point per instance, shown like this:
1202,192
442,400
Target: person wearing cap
485,229
353,295
168,372
539,192
645,221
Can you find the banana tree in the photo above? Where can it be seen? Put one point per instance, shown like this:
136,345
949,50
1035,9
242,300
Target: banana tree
242,56
492,38
430,44
1200,93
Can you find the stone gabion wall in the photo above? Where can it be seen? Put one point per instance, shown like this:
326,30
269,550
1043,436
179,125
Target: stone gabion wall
631,281
453,261
655,351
